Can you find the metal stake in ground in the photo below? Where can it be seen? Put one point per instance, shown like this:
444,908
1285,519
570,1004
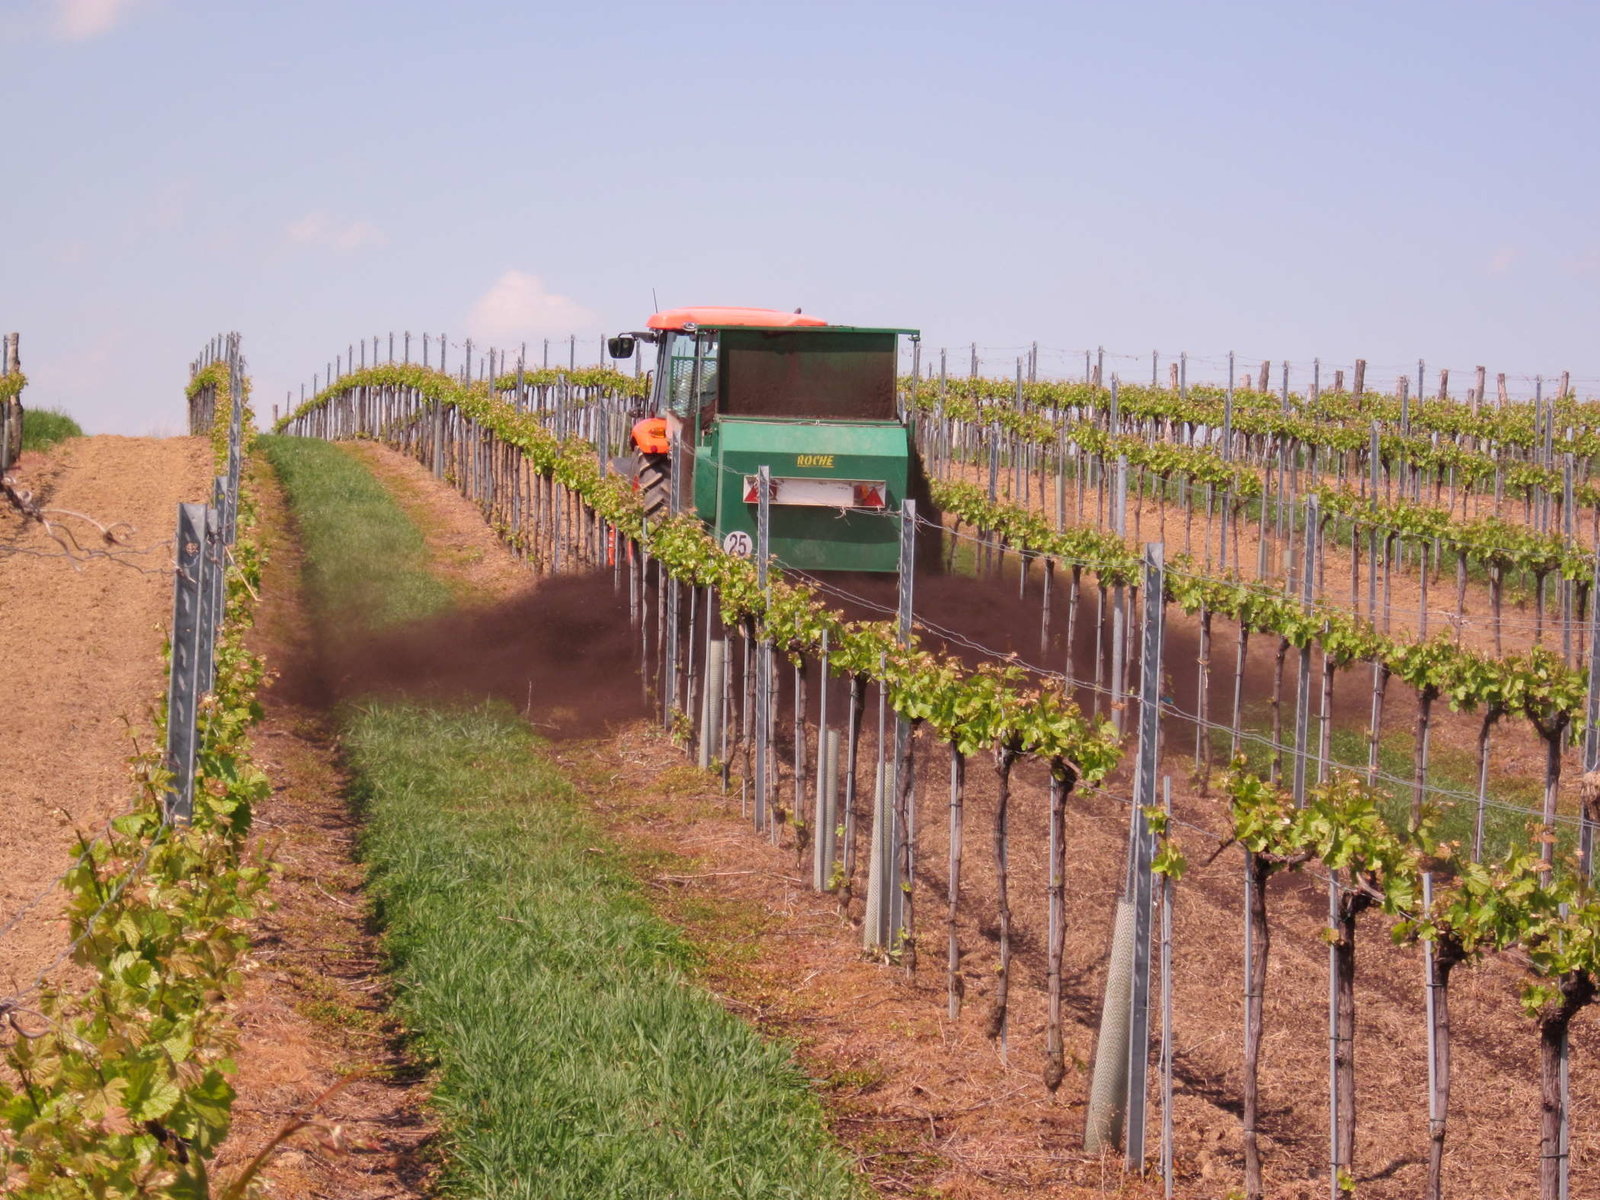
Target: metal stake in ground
904,835
183,683
824,806
711,691
763,658
1141,848
1119,526
230,521
1302,713
1166,1010
1122,1050
211,595
669,670
1227,417
875,928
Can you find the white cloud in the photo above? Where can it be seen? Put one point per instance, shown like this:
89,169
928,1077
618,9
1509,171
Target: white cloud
80,19
320,229
519,305
1503,260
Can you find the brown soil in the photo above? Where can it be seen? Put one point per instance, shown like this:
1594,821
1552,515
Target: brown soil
82,644
931,1104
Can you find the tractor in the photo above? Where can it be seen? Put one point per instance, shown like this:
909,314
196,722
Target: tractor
738,389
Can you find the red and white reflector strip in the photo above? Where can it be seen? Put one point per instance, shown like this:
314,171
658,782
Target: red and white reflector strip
812,492
869,495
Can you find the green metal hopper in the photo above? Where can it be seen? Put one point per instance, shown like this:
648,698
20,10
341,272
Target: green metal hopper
836,489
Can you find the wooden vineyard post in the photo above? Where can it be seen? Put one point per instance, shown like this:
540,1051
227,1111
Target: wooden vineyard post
1056,867
1005,757
11,416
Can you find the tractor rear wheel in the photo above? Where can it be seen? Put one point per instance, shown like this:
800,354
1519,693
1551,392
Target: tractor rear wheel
652,475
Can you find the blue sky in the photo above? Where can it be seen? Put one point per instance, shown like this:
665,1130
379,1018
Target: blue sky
1288,180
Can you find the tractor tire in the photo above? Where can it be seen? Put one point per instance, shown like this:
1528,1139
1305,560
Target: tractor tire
652,476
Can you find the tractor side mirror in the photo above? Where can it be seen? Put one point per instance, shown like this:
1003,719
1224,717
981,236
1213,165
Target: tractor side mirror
620,346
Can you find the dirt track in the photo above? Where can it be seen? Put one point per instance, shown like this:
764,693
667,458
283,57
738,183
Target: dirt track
82,654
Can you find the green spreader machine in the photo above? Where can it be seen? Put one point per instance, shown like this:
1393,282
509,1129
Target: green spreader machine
738,389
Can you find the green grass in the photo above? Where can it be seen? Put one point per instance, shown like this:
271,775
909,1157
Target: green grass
574,1055
366,562
44,427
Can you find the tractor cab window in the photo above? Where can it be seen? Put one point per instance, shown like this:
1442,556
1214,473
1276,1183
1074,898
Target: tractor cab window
680,397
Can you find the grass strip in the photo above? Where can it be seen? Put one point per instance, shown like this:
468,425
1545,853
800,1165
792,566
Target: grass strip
366,561
574,1056
44,427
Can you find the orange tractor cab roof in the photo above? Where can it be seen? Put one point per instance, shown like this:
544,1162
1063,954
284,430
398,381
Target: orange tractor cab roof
727,316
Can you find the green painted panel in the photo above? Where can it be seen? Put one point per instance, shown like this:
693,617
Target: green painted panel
806,538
